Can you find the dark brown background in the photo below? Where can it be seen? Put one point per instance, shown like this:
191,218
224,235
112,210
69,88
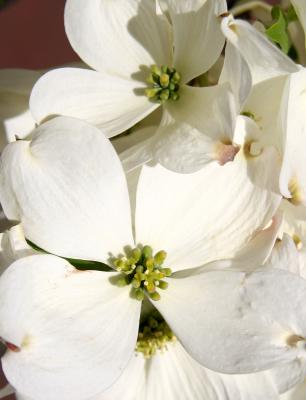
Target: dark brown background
32,34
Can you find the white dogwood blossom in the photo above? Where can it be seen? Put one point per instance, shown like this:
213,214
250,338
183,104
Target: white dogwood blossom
254,49
140,59
78,207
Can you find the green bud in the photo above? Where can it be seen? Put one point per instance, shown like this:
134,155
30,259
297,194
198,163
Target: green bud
135,283
150,286
136,254
155,70
175,96
139,294
154,296
147,252
152,92
160,257
167,271
122,281
165,69
176,78
164,95
164,80
163,285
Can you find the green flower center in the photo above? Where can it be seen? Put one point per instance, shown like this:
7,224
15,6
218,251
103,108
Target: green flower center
143,271
164,84
154,335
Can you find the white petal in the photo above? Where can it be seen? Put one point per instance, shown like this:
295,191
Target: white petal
183,148
62,320
173,375
215,316
68,189
300,8
264,106
293,174
298,393
251,386
198,40
294,221
112,103
130,384
223,217
236,71
259,249
287,375
139,133
13,246
192,135
264,59
285,256
118,37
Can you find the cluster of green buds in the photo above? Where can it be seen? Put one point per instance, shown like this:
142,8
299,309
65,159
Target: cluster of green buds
143,271
154,335
164,84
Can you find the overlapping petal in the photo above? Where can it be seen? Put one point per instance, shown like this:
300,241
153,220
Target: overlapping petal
207,215
237,73
68,189
228,320
118,37
198,40
197,130
293,175
68,326
175,375
264,59
111,103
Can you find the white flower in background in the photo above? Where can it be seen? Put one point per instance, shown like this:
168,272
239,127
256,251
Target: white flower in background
126,43
265,61
74,203
15,116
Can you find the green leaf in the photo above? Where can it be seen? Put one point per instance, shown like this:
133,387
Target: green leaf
291,14
278,32
82,265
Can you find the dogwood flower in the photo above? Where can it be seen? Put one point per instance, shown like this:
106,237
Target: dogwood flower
140,60
254,48
68,189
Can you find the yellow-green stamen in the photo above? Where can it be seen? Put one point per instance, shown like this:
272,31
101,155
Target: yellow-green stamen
164,84
154,335
143,271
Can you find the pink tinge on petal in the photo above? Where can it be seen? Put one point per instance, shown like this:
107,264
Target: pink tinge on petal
12,347
225,152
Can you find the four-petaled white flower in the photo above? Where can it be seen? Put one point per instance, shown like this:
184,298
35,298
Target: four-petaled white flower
77,330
